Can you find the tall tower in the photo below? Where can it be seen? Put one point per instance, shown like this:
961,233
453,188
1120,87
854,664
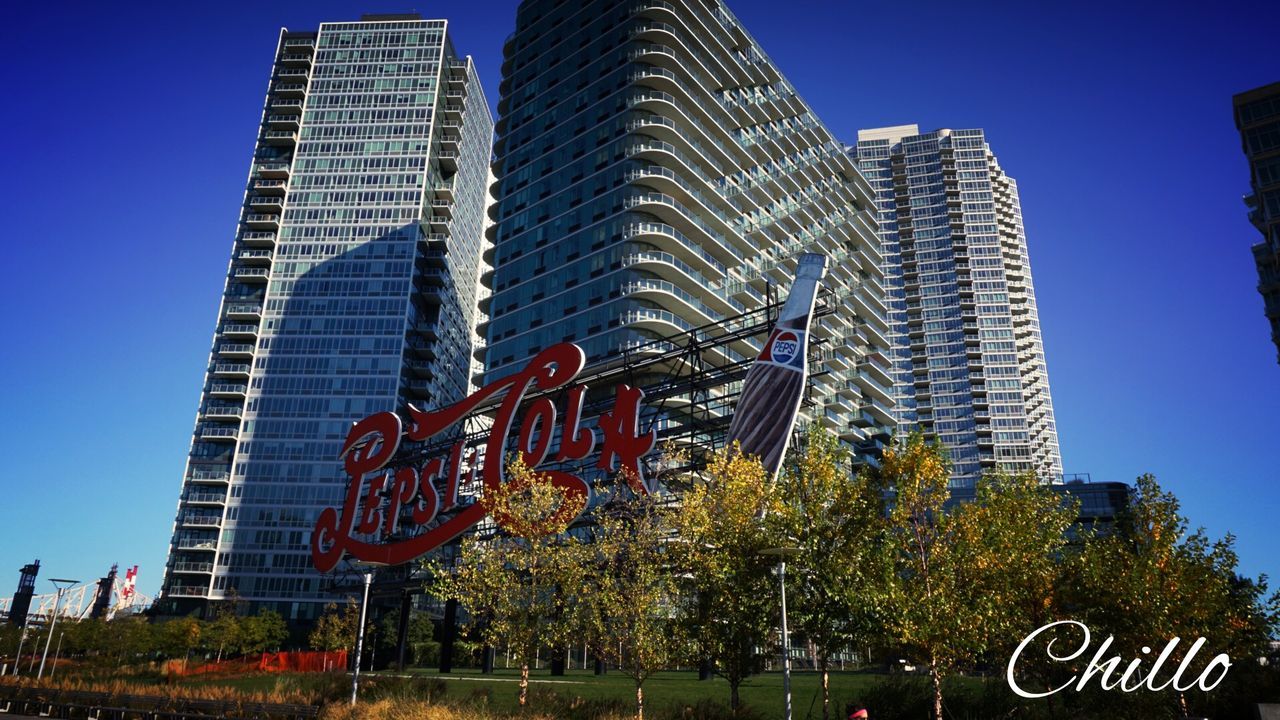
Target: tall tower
352,289
968,357
1258,120
21,604
657,174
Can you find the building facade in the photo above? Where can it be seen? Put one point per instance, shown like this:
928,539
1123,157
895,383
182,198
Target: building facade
1257,114
657,175
968,359
352,289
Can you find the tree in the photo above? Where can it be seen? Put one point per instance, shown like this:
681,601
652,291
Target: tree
1153,580
223,631
519,583
835,519
178,637
965,580
336,628
731,609
261,632
627,610
423,647
1012,538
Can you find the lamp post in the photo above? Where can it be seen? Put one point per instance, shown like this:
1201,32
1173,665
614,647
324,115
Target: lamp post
782,554
368,568
22,641
56,653
62,586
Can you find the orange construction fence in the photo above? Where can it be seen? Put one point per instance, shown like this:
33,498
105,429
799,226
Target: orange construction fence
300,661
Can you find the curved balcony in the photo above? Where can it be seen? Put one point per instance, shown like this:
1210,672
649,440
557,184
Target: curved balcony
668,238
672,213
669,295
672,269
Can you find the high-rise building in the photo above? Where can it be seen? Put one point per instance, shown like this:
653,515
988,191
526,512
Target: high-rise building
968,359
1258,120
657,174
352,289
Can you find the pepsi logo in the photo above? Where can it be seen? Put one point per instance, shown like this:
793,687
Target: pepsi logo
785,347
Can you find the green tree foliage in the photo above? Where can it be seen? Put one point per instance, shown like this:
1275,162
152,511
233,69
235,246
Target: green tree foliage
835,585
422,647
261,632
1152,580
520,583
626,606
965,579
178,637
223,632
732,604
336,628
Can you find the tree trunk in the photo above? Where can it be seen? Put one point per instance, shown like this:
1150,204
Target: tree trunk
1182,705
826,688
639,702
937,690
524,683
733,695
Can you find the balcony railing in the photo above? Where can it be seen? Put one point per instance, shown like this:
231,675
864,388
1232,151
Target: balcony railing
252,273
199,497
220,433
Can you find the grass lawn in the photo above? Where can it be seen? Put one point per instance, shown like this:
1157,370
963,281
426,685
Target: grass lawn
763,693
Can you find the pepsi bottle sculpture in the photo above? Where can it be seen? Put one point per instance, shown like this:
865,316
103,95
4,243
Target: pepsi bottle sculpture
774,386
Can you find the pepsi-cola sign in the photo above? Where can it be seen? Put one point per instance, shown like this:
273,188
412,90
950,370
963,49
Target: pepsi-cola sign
786,345
421,494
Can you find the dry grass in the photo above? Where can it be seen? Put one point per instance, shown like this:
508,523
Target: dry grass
286,690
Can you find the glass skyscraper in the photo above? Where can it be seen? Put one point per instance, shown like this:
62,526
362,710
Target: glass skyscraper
352,289
658,174
968,360
1258,120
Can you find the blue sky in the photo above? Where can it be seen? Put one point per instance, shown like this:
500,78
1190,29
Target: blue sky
130,127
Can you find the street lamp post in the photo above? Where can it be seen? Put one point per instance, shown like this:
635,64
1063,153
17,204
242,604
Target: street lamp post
56,653
62,585
364,607
782,554
22,641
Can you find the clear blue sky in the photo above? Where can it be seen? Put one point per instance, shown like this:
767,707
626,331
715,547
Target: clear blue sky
130,126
